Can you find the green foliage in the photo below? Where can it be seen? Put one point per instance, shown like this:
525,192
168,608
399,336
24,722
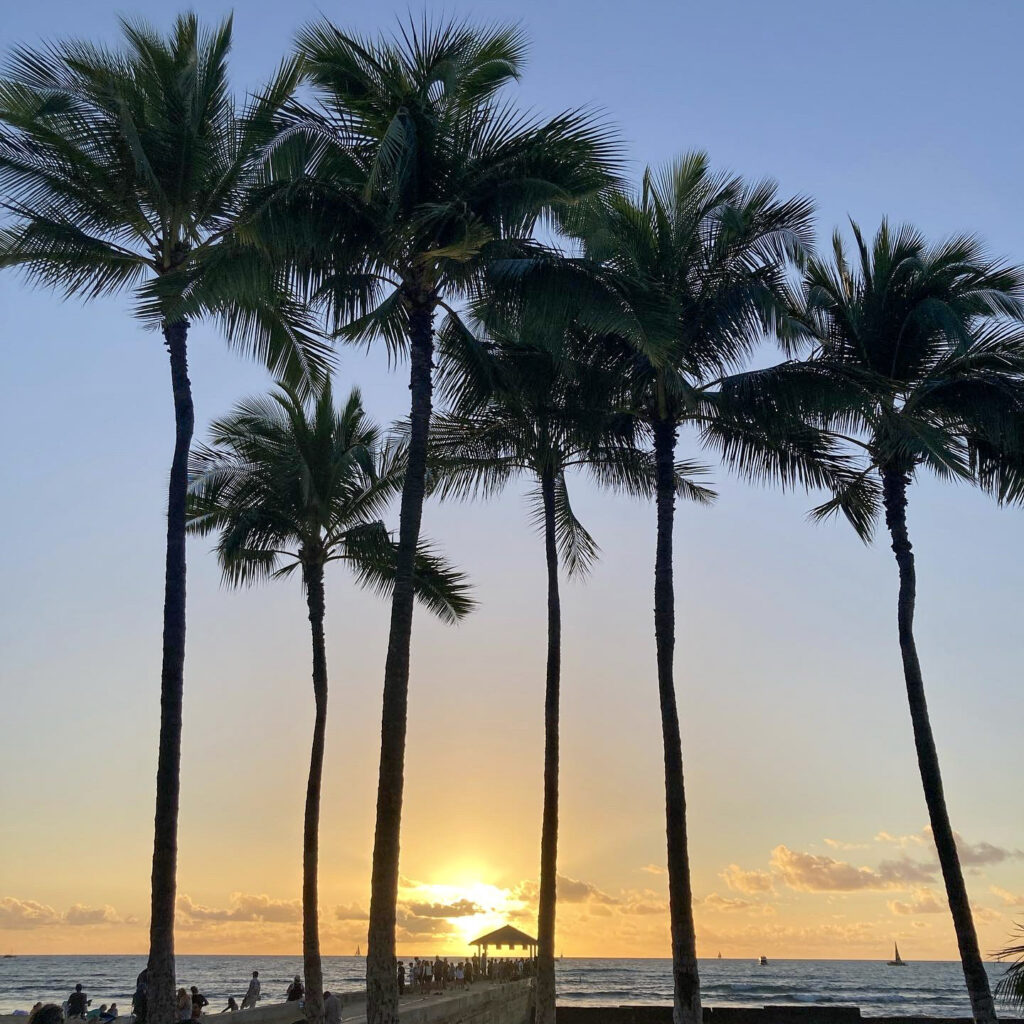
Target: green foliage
288,481
131,170
1010,988
529,399
411,172
914,358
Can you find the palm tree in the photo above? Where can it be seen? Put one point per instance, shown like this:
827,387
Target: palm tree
522,408
128,171
915,360
696,264
1010,987
419,176
287,485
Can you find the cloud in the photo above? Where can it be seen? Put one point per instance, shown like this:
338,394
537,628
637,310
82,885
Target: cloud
243,907
18,914
352,912
915,839
923,901
1010,899
460,908
980,854
412,927
645,908
654,869
81,914
985,914
809,872
730,904
21,915
572,890
838,844
747,881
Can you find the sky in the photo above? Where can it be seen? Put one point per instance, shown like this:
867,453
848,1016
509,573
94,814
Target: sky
807,823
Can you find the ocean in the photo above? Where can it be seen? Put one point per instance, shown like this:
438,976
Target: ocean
928,988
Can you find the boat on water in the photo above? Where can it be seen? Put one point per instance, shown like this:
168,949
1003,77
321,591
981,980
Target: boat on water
897,960
763,961
719,956
357,952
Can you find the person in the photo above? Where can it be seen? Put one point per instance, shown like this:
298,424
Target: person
183,1006
198,1002
96,1014
46,1013
139,998
401,978
111,1013
78,1003
295,991
252,994
232,1006
332,1008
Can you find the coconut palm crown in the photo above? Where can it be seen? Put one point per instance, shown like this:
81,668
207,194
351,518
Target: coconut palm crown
914,362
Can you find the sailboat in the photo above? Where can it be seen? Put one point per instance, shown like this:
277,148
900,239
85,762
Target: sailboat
357,951
719,956
897,960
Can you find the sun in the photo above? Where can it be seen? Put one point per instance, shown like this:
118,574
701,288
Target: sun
468,906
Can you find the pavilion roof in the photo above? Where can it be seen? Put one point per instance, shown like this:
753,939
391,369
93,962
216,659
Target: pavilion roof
505,936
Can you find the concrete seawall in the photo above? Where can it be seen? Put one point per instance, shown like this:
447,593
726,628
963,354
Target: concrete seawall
513,1004
802,1014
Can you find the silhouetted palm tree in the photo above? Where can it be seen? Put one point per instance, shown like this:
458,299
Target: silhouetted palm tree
417,177
520,408
287,485
696,265
915,361
129,171
1010,987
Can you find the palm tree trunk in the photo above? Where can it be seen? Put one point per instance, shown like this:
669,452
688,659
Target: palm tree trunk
894,490
686,1007
545,1011
313,576
381,966
161,995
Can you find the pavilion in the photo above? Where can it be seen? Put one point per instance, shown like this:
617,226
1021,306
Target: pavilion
506,936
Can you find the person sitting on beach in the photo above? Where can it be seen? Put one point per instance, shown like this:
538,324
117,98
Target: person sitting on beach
295,991
183,1006
111,1013
252,993
232,1006
332,1008
96,1014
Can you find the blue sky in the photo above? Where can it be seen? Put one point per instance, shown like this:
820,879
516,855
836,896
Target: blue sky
788,668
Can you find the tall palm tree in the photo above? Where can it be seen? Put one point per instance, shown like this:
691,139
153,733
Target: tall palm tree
418,176
696,263
291,484
128,171
915,360
523,408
